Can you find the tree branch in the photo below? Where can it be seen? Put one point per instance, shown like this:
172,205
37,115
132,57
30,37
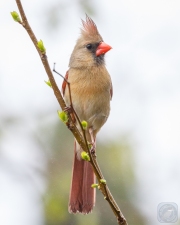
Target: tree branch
71,125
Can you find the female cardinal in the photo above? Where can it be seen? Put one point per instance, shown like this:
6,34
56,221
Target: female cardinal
91,92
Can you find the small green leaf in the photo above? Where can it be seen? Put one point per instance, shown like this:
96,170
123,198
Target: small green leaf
63,116
15,16
48,83
84,124
94,185
41,47
103,181
85,156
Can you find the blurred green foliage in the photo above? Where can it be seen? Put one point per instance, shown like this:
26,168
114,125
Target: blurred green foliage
116,162
57,12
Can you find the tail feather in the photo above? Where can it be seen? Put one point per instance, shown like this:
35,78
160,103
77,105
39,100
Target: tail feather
88,192
82,195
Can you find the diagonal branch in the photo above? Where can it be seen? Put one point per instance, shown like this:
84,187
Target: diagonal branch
45,62
71,125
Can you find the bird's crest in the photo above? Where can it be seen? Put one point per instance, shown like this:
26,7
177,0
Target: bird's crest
89,27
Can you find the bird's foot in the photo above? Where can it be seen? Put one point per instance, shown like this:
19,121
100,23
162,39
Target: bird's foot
93,149
68,109
93,142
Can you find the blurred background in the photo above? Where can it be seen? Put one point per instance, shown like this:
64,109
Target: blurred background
139,146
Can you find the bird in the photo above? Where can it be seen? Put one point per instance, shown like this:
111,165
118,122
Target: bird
91,92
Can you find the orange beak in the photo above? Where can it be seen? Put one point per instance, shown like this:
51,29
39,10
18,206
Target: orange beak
102,48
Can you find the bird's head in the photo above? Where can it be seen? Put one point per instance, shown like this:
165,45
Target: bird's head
90,47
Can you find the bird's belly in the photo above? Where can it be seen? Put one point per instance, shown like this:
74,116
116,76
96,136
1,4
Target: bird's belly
93,108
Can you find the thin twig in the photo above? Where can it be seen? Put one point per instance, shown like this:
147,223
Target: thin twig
71,125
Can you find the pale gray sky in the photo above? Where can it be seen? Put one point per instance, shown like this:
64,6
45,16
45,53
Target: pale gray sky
145,69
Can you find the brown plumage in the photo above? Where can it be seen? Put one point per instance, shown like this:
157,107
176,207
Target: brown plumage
91,92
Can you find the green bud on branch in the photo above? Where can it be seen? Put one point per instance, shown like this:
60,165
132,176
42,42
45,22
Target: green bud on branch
15,16
84,124
103,181
48,83
41,47
94,185
90,145
63,116
85,156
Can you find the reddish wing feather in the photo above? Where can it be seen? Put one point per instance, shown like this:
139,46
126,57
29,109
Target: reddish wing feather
64,83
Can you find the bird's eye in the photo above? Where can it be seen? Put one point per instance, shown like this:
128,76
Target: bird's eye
89,46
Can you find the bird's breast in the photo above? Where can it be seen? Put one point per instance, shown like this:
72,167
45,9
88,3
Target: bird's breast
90,91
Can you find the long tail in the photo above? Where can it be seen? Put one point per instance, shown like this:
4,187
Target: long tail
82,195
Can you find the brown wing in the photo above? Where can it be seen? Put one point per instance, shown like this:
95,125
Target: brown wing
64,83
